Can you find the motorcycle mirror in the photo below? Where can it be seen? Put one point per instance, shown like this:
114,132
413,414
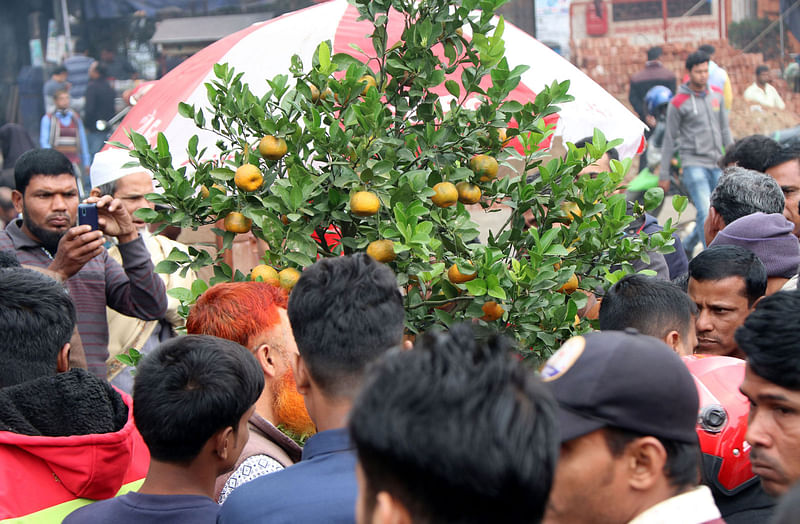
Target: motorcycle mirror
132,100
101,125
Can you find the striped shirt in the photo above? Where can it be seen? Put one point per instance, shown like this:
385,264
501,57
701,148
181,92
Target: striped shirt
132,289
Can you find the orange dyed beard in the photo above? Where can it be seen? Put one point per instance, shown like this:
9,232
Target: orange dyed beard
289,408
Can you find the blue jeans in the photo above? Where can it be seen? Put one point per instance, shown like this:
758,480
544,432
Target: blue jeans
699,183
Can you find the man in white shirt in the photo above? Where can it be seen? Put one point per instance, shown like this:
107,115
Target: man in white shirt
760,92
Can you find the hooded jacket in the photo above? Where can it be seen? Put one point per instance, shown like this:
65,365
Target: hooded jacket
65,441
697,127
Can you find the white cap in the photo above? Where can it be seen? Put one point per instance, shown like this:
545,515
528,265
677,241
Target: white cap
107,166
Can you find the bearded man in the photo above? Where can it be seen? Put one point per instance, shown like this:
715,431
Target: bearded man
254,315
47,237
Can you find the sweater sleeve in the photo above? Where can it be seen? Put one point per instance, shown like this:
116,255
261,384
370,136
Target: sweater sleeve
670,141
44,132
725,128
134,289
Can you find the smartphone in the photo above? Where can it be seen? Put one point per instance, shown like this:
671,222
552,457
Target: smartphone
87,214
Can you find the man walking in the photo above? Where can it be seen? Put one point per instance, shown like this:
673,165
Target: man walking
697,128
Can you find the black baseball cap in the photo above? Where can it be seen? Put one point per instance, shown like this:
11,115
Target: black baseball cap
623,380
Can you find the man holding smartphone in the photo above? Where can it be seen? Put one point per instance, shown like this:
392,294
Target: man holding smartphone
46,236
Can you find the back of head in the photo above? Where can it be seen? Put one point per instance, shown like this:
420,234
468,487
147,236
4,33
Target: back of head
448,430
769,339
720,262
751,152
741,192
650,305
59,70
236,311
654,53
345,312
189,388
707,49
40,162
100,69
696,58
37,317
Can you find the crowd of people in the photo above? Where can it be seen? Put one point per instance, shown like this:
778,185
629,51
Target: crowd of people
312,407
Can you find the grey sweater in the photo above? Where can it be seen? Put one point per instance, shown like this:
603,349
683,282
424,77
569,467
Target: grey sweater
697,127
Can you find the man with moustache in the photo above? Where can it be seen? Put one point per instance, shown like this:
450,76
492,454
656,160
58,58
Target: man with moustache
46,236
726,282
254,315
772,384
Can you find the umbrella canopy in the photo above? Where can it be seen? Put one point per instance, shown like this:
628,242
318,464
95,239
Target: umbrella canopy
265,49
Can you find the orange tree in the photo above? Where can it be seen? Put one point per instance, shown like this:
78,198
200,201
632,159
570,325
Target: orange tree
363,146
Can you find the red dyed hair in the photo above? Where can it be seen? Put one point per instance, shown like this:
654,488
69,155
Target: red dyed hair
236,311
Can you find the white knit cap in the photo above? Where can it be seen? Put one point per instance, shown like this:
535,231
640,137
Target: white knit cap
107,166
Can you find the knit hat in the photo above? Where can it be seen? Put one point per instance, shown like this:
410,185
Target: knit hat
107,166
770,237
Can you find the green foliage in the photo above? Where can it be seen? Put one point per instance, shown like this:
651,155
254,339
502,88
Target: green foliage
398,141
130,358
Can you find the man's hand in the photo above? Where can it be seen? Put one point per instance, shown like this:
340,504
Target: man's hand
664,184
650,120
113,218
78,246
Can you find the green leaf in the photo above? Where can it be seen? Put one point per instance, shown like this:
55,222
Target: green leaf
679,203
180,293
453,88
176,255
167,267
653,198
324,57
477,287
198,288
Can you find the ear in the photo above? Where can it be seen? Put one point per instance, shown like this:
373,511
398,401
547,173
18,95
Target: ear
646,457
389,510
224,441
62,363
16,199
756,302
407,345
302,378
95,192
266,357
673,340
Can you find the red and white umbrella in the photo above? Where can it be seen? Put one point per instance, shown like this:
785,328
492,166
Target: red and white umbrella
265,49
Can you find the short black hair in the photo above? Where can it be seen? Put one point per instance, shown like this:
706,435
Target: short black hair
682,281
40,162
100,69
696,58
751,152
650,305
786,153
769,339
719,262
37,317
457,431
761,69
109,188
189,388
654,53
741,192
612,153
59,70
8,259
345,312
682,467
707,49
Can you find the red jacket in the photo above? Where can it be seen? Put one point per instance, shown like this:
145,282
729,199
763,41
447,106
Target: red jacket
44,478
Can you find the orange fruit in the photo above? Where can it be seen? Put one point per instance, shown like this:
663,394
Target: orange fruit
370,80
288,278
484,166
272,147
446,194
205,193
492,311
468,193
284,220
314,93
364,203
382,250
571,209
248,177
267,274
457,277
503,135
236,222
570,285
